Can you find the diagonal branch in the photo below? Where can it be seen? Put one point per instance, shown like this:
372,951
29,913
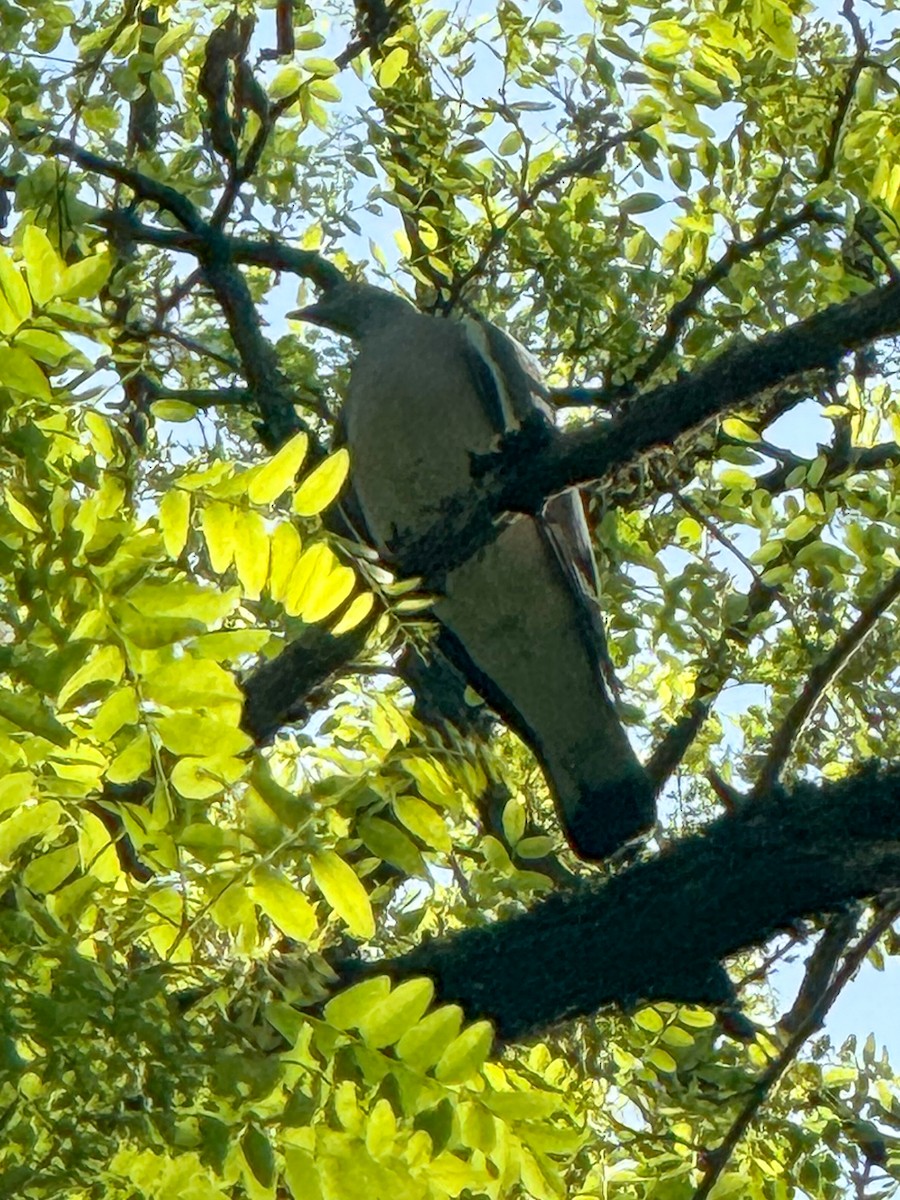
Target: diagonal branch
768,1080
660,930
820,678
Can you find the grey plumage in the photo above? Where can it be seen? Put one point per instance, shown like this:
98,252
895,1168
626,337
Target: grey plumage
520,618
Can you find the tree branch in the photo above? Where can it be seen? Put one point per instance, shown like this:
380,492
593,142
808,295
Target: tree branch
818,681
659,930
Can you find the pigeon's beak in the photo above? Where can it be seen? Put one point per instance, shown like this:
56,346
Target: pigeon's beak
312,313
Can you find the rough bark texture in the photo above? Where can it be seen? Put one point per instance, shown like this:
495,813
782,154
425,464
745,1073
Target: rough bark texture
660,929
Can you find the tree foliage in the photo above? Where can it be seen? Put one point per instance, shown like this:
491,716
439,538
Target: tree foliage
265,930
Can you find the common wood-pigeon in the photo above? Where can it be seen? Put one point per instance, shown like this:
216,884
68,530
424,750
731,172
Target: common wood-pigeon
519,618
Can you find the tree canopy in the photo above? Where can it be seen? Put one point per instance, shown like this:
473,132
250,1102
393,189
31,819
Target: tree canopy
284,912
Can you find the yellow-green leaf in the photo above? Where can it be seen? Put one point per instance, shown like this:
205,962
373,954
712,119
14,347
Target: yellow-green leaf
320,66
218,528
466,1053
391,66
341,887
511,143
105,664
132,762
421,819
348,1008
20,372
201,778
277,475
388,1019
285,554
42,264
283,903
251,553
187,733
392,845
327,593
355,614
23,515
422,1045
174,517
14,291
83,280
176,411
322,485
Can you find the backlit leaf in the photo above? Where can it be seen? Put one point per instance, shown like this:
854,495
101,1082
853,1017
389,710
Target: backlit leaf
284,904
42,265
341,887
322,485
174,517
277,475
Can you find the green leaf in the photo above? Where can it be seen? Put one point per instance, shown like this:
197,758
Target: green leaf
42,264
322,485
641,202
47,348
85,279
27,823
202,778
421,819
187,733
277,475
389,70
511,144
466,1054
422,1045
20,372
341,887
392,845
285,554
105,665
17,509
176,411
174,520
251,553
133,761
218,521
15,294
259,1155
346,1010
285,905
389,1018
28,713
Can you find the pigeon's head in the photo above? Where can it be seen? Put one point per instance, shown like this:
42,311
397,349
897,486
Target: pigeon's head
357,309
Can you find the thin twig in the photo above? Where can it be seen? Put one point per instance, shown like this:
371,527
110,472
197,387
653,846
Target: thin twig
820,678
719,1158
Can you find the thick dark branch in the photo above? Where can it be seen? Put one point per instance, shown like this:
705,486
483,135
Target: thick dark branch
818,681
738,251
660,929
531,467
275,691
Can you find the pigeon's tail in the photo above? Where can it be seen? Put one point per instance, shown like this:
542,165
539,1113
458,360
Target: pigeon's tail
600,820
515,625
